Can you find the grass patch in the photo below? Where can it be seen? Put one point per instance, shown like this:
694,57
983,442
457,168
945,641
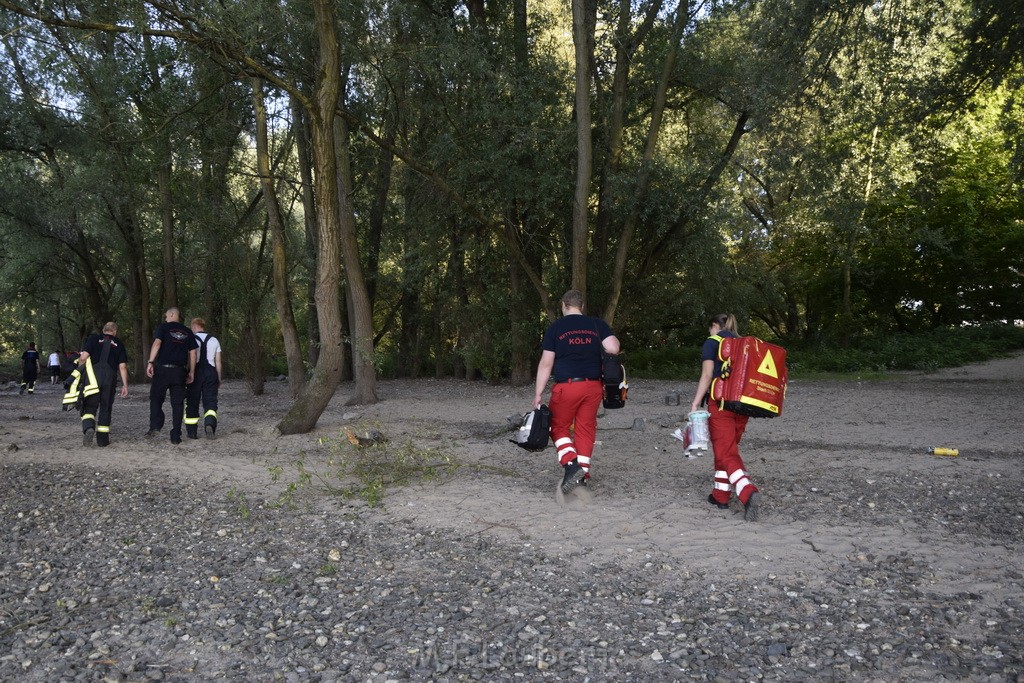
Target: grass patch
368,470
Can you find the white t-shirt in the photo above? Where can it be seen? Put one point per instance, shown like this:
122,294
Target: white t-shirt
54,359
212,347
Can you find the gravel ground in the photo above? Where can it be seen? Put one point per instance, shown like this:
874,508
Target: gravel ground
873,561
124,577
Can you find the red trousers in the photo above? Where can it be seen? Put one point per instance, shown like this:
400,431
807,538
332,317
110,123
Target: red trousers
574,408
726,430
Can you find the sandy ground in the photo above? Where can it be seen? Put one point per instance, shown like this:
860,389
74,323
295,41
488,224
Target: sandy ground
845,472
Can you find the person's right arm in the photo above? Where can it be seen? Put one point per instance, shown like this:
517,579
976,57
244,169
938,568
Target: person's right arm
707,370
544,368
123,368
153,350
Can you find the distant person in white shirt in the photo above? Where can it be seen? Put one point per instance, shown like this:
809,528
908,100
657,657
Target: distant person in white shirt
205,385
54,364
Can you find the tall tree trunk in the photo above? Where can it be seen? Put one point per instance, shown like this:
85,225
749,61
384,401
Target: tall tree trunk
411,319
361,314
583,23
282,298
381,191
163,181
644,176
299,120
313,399
137,284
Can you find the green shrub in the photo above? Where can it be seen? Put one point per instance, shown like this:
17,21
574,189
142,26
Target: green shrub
925,351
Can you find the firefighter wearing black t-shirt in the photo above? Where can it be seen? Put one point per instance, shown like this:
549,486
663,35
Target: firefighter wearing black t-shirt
94,383
30,369
172,365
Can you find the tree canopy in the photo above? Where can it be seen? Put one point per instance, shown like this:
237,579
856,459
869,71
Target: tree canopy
351,189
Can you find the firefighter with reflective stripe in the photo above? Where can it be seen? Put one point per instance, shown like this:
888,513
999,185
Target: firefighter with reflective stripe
94,382
571,353
30,366
726,427
172,365
205,385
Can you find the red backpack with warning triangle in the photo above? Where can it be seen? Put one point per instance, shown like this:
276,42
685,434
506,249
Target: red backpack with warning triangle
753,381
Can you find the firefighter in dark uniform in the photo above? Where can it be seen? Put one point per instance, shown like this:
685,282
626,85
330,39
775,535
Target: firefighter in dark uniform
172,365
29,369
205,385
94,383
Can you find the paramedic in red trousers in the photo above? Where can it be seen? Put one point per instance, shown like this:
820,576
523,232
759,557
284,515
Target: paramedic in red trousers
726,428
172,365
205,383
102,359
571,354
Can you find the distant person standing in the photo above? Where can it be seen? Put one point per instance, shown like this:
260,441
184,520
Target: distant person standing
172,365
30,366
103,357
54,363
205,384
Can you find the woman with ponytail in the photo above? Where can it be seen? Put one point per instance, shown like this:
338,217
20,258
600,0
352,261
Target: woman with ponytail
726,428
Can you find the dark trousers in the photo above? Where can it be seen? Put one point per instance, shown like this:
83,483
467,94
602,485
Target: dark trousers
167,379
97,411
28,378
203,389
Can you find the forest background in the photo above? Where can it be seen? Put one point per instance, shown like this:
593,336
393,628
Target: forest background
353,190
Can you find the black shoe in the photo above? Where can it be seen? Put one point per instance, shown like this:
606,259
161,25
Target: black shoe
87,437
22,391
210,431
720,506
151,433
752,508
572,477
192,434
176,440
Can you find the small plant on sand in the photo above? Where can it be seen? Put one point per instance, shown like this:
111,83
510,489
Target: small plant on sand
363,463
366,468
289,496
237,498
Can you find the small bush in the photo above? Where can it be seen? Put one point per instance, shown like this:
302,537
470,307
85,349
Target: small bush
376,468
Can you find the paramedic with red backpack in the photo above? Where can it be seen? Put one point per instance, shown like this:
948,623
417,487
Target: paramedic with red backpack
726,427
571,353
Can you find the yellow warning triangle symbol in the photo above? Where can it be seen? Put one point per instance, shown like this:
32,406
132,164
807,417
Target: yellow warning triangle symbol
767,366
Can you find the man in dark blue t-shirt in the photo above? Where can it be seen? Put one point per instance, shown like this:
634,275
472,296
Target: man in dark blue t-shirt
571,354
172,365
30,369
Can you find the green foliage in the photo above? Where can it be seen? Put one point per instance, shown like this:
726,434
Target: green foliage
923,351
368,471
665,363
852,168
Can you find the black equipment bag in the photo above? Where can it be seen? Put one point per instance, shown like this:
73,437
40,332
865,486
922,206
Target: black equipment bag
535,431
613,374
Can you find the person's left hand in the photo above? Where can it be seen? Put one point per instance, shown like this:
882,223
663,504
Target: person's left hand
124,391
